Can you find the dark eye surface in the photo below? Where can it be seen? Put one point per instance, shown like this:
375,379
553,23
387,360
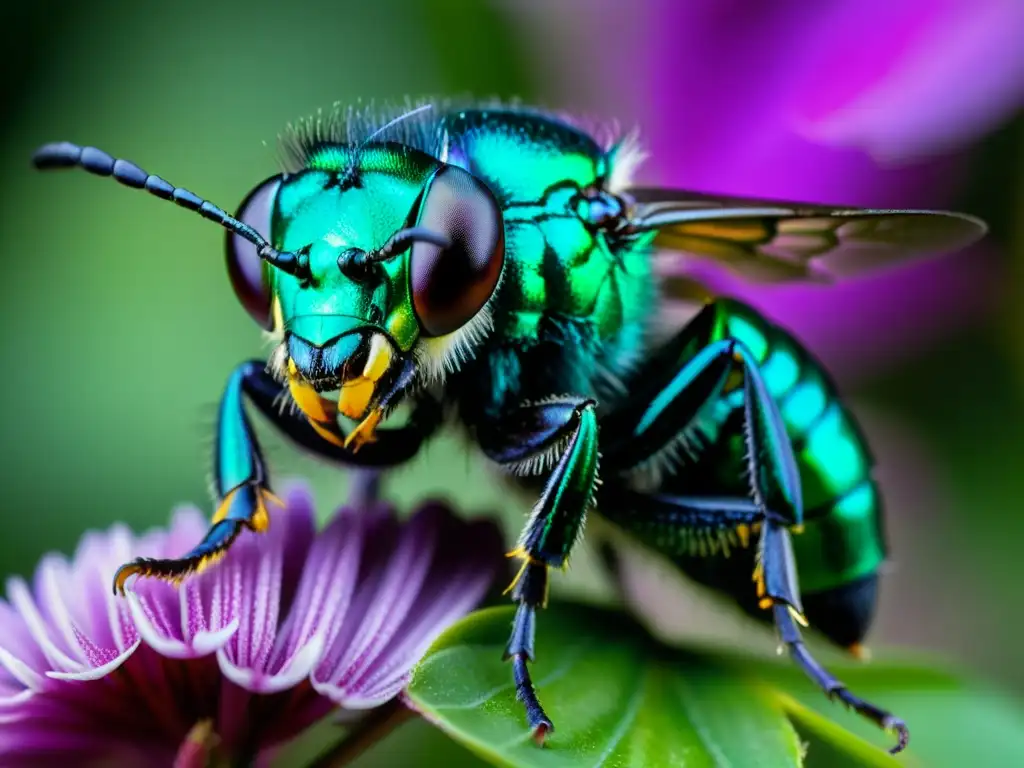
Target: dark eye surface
245,268
450,285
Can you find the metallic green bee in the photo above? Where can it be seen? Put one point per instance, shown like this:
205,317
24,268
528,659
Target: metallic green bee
495,267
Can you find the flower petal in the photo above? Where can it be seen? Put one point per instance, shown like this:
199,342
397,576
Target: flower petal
298,668
948,72
329,581
461,589
237,645
21,600
260,571
152,627
100,669
429,581
21,672
17,640
387,593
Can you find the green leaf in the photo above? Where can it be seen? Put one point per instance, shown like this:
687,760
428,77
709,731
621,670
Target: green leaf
620,698
616,698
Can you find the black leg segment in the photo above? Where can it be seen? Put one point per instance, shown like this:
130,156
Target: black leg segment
559,435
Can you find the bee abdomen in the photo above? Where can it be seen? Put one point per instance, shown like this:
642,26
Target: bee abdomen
843,539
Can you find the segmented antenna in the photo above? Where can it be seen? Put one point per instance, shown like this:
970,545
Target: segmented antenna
64,154
402,237
357,260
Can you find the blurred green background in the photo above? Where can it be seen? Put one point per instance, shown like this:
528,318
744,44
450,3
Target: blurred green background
120,327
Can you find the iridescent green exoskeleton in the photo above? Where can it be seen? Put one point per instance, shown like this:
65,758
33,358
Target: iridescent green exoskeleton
495,267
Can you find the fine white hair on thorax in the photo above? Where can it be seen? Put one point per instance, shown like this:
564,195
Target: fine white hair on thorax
626,157
441,356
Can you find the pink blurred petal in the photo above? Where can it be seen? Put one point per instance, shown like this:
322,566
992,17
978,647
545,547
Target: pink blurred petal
956,71
859,325
21,600
17,640
20,671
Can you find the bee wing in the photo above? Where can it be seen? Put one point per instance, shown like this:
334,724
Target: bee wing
773,241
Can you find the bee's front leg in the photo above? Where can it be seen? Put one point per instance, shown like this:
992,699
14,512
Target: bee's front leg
563,433
240,473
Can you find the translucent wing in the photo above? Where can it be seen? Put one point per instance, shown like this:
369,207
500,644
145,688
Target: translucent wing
776,241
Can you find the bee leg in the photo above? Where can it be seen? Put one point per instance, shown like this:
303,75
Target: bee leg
529,591
672,401
775,489
562,432
364,487
240,475
678,407
776,554
684,391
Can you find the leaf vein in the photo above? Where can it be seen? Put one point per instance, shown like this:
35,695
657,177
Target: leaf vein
628,718
555,674
699,726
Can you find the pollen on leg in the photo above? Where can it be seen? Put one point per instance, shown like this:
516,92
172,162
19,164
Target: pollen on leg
528,561
758,579
260,520
518,577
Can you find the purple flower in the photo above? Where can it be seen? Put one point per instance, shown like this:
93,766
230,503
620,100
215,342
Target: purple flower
852,102
289,626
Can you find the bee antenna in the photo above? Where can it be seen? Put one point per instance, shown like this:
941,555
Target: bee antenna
394,246
64,154
403,237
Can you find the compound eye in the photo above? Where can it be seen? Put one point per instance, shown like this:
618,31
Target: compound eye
450,285
245,267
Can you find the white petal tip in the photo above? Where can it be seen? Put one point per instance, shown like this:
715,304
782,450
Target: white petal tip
202,644
95,673
258,681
